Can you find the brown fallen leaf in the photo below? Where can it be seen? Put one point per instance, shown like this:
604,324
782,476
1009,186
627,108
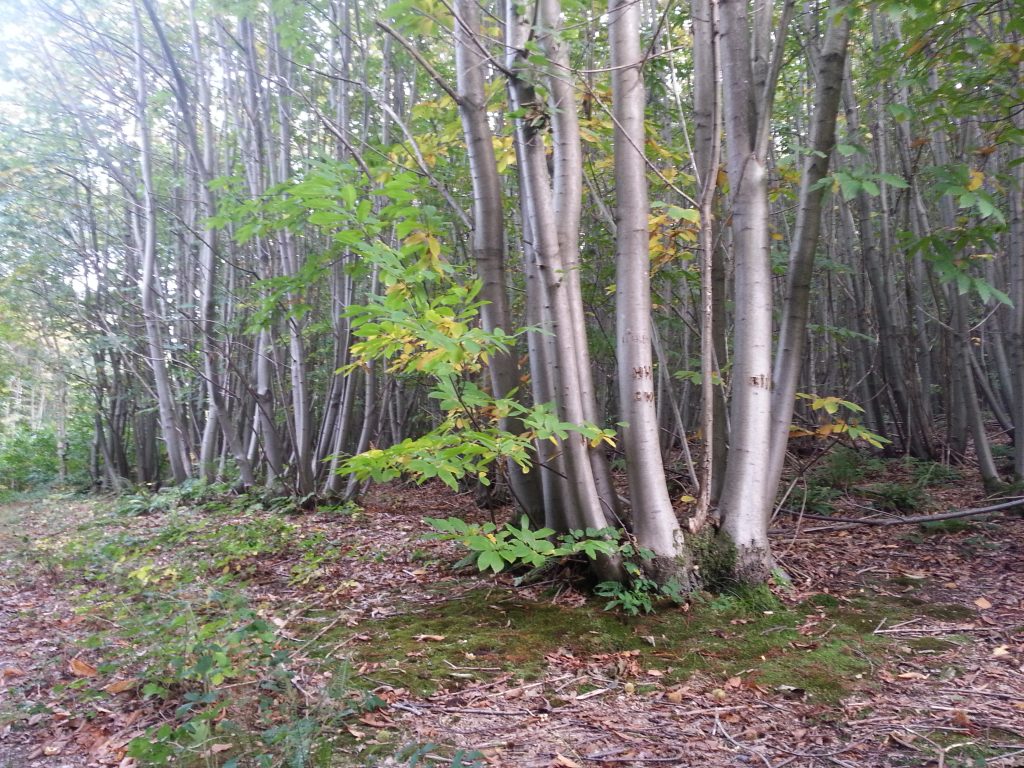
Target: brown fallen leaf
962,719
376,721
12,672
120,686
982,603
81,668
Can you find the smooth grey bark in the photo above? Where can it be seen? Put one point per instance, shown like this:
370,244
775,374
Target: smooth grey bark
170,422
567,200
707,150
795,310
1015,337
584,508
290,263
654,520
488,235
746,498
914,429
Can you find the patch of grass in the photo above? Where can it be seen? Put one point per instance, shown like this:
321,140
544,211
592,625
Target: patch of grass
954,525
818,499
932,473
178,616
896,497
844,467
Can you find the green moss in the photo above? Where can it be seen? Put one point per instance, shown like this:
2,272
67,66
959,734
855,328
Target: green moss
715,558
823,600
487,633
932,644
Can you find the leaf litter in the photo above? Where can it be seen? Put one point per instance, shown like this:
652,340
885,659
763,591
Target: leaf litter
938,679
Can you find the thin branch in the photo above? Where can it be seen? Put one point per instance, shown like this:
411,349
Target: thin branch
954,515
767,100
434,74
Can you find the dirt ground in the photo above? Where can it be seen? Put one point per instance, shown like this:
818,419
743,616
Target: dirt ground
942,686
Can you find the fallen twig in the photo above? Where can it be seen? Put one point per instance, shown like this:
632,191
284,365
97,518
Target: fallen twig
977,692
738,745
935,630
916,519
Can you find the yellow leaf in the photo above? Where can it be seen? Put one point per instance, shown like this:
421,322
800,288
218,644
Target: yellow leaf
433,246
977,177
982,603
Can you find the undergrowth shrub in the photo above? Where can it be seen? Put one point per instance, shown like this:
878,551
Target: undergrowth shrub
200,644
931,473
818,499
508,547
896,497
844,467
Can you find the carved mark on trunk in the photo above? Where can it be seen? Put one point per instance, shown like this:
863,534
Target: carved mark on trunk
642,372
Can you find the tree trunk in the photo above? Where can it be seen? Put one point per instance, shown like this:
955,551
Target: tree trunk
747,498
654,519
488,237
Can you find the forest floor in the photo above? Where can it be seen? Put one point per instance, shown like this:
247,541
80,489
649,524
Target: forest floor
244,633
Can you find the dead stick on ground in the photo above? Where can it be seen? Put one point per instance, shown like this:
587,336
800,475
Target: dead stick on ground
936,630
1018,502
738,745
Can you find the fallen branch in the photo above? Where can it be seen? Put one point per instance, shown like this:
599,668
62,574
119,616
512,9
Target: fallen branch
917,519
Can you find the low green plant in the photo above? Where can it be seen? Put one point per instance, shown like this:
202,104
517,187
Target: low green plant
929,473
845,466
896,497
827,409
639,593
742,598
818,499
509,546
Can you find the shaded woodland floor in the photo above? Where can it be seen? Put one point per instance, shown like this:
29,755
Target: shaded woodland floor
247,633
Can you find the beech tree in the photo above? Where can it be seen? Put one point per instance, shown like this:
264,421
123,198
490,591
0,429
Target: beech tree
640,237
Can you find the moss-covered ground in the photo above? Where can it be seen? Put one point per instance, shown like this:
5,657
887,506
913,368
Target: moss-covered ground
197,635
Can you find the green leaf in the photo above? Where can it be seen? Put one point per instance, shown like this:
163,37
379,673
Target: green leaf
687,214
490,560
899,112
893,180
